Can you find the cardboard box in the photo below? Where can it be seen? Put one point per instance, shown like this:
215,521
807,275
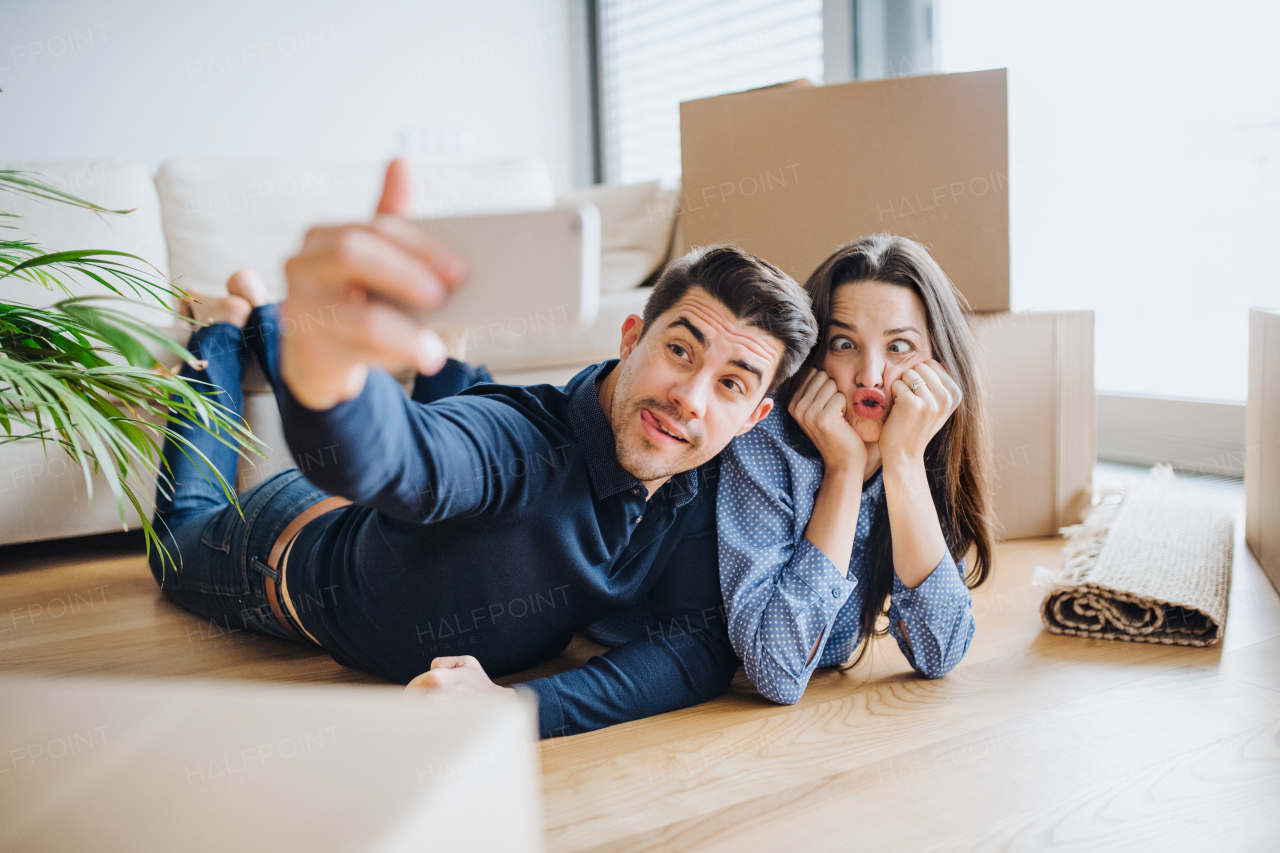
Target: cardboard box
148,765
1262,442
1039,371
790,173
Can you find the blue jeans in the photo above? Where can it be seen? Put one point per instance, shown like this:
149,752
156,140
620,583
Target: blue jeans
218,557
221,556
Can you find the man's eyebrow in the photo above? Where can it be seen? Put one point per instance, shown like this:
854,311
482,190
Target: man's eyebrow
693,330
749,367
739,363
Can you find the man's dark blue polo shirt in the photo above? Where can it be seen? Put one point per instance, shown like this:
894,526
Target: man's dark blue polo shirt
496,523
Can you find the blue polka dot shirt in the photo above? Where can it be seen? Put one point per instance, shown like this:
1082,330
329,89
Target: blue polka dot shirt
784,595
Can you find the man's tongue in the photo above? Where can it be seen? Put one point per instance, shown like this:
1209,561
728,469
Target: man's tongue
657,425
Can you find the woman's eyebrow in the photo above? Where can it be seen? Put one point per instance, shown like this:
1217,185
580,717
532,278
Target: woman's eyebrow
898,331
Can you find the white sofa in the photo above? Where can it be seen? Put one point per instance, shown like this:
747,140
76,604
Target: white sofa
198,220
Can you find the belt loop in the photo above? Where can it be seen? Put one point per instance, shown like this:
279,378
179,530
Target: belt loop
273,598
263,568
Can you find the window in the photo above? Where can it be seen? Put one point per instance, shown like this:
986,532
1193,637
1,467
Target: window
1144,163
653,54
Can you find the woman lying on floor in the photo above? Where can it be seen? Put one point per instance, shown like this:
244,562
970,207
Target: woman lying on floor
863,490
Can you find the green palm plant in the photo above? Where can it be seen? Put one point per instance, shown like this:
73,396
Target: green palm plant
79,376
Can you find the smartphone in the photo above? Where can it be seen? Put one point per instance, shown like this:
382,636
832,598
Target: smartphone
535,271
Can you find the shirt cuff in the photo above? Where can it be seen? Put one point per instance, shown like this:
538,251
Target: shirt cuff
550,710
454,378
942,584
829,587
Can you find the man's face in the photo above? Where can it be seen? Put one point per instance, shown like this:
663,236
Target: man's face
687,386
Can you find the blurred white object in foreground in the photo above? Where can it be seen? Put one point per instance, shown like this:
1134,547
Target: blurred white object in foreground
89,764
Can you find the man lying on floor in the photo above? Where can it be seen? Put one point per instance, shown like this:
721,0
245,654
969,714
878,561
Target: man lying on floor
446,539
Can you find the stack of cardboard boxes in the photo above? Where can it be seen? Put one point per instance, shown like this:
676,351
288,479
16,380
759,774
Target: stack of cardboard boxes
793,171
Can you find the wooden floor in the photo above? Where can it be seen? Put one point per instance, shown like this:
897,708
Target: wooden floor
1035,741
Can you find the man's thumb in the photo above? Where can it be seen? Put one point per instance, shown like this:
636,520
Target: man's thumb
397,189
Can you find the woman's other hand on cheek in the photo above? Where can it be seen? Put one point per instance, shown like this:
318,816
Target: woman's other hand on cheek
819,408
918,412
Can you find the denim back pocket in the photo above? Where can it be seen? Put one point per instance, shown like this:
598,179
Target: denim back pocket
219,529
218,570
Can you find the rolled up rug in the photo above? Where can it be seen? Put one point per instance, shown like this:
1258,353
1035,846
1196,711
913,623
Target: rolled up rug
1151,564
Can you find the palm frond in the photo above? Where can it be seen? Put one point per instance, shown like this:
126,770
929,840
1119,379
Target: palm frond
80,376
31,184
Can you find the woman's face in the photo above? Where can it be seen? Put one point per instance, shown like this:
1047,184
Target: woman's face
877,331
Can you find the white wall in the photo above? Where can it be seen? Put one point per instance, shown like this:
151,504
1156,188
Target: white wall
143,80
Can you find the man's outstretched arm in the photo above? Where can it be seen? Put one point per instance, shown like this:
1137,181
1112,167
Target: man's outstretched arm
328,349
343,274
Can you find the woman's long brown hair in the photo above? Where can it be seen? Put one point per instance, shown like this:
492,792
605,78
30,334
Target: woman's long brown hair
958,459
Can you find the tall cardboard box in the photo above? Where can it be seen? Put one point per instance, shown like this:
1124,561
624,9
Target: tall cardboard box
790,173
1262,442
1043,417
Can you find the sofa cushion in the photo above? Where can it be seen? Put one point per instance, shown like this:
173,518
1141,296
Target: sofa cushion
638,229
538,342
635,231
44,496
221,215
59,227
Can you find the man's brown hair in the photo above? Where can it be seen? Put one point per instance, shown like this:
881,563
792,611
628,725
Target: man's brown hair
758,293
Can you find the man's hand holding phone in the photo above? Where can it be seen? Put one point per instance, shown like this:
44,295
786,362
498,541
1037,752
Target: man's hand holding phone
339,324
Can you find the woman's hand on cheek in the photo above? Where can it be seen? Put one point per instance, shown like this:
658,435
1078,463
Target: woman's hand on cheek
818,407
917,416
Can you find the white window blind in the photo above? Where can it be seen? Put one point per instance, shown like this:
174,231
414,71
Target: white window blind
656,53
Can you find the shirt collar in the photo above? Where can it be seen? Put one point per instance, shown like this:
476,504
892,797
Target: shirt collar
589,424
